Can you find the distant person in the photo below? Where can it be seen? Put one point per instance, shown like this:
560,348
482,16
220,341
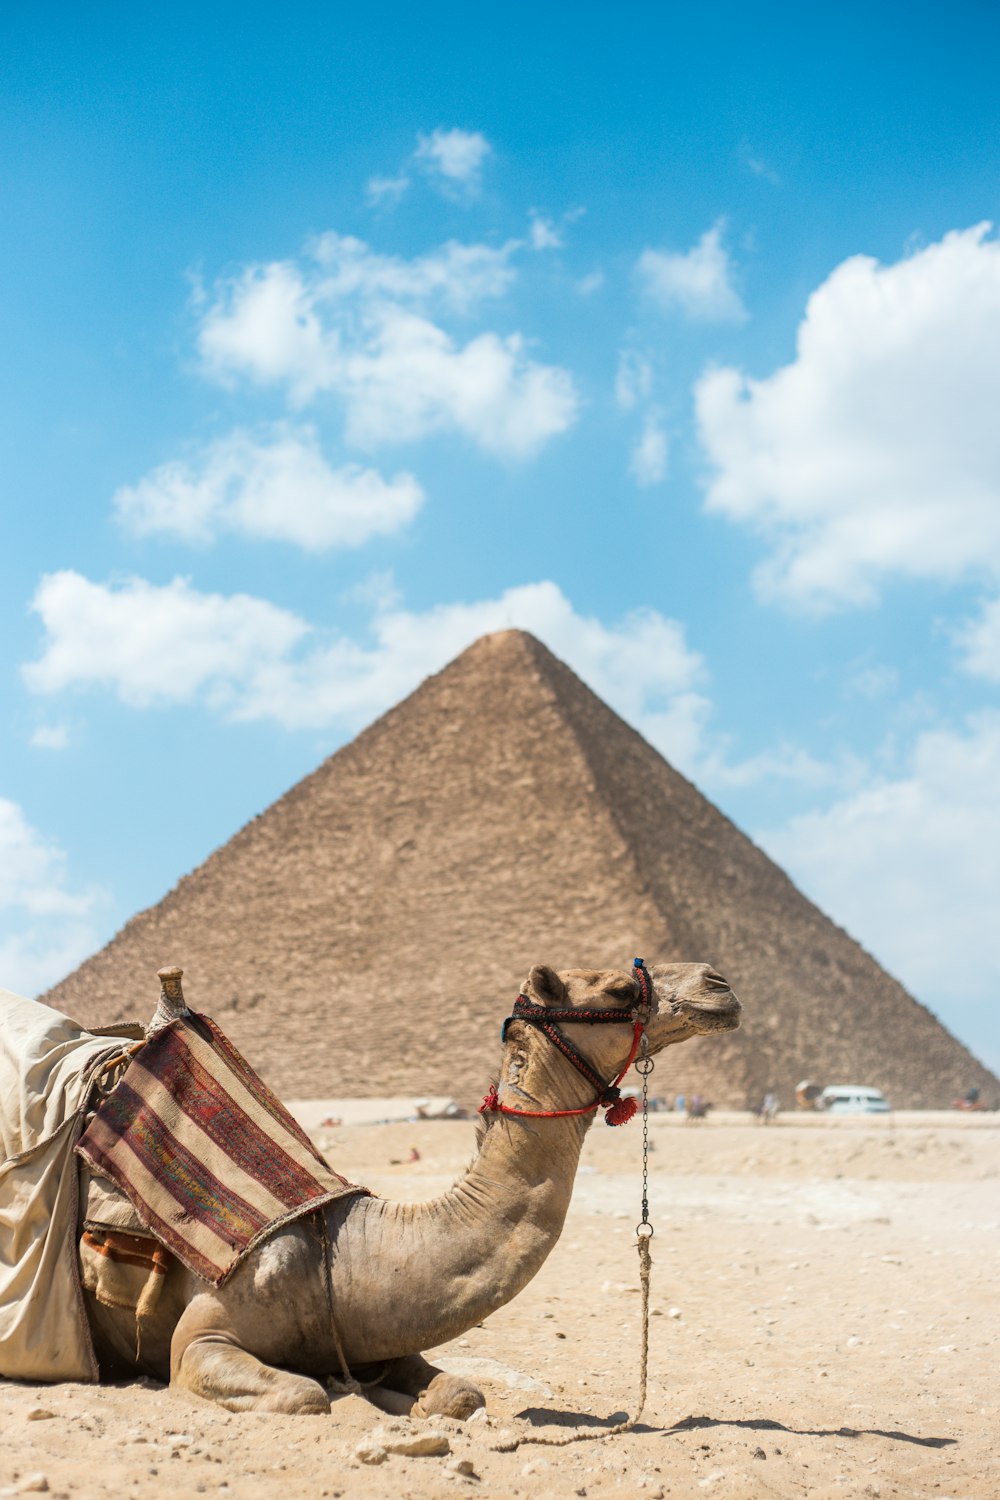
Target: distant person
769,1107
679,1106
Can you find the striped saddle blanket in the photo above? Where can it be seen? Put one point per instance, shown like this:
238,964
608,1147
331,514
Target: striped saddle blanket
210,1158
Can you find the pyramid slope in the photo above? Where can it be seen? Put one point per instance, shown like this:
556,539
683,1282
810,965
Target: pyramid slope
365,933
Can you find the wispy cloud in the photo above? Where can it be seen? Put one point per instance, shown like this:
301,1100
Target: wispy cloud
876,453
50,737
698,283
277,487
648,464
633,380
979,641
46,924
911,864
543,233
759,167
453,159
386,192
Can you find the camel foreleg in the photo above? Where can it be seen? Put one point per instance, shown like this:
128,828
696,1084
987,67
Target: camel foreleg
216,1369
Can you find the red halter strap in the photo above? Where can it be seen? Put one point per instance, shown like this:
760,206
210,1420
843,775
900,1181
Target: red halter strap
619,1110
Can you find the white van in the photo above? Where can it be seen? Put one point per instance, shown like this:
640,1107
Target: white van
852,1099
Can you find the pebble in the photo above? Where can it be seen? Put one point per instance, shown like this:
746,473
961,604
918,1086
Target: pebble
674,1312
536,1466
39,1414
759,1453
461,1466
370,1453
32,1484
432,1443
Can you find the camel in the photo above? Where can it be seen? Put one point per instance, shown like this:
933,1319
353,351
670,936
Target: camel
368,1284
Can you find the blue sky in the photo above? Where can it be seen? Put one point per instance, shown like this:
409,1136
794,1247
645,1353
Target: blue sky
333,340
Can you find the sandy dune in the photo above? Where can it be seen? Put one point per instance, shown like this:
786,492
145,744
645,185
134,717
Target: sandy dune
826,1324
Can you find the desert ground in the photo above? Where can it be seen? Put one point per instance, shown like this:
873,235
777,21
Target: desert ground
825,1324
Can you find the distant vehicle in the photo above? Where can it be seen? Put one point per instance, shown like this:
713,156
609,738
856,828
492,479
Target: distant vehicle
852,1099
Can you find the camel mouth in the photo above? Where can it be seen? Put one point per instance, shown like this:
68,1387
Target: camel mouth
716,1008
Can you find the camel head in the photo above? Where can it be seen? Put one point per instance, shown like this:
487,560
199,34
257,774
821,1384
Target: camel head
688,1000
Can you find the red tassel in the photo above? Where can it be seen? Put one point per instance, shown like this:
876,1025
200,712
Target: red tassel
621,1112
491,1102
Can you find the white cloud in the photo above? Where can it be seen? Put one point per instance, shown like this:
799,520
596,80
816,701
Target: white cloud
50,737
265,325
911,867
876,453
454,159
281,489
355,324
699,283
248,660
153,645
648,464
386,191
591,283
44,924
413,379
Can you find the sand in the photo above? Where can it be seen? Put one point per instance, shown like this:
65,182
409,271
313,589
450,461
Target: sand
825,1324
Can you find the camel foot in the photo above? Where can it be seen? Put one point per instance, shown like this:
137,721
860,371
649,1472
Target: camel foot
448,1396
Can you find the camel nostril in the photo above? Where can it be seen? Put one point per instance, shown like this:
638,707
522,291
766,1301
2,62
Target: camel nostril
715,981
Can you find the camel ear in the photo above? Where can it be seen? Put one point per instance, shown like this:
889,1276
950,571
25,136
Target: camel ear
546,985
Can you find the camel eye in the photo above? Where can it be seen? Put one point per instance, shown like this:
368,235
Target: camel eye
621,989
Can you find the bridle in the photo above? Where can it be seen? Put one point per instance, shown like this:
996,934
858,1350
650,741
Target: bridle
546,1020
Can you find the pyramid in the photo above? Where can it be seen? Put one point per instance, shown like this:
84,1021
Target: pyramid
366,934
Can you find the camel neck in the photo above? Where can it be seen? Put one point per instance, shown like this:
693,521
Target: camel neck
426,1272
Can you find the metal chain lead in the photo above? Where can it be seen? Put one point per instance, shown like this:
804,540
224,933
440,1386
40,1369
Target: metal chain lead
643,1065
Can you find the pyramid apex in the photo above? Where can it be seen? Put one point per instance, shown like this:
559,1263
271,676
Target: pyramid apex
504,640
